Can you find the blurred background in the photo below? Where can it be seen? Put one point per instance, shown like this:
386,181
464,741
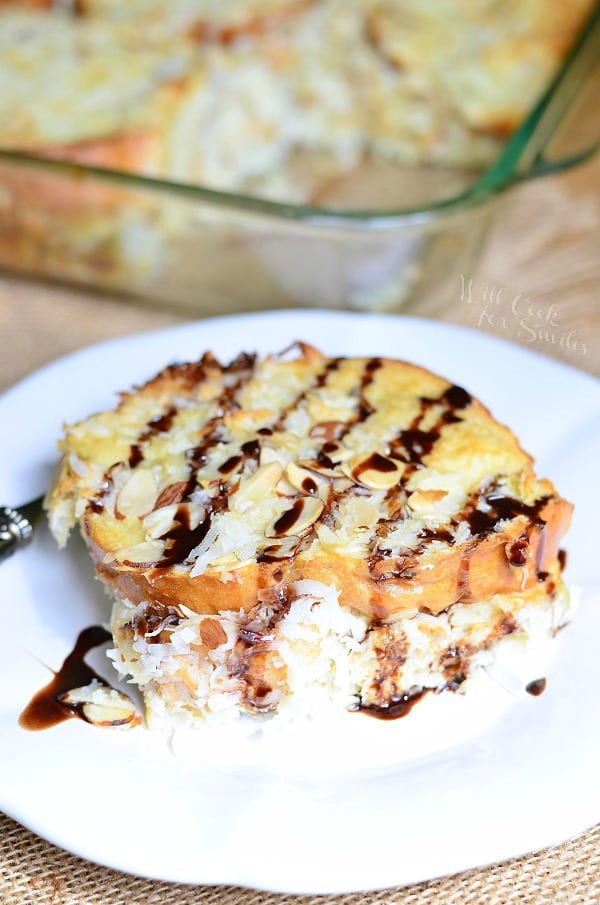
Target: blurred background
161,161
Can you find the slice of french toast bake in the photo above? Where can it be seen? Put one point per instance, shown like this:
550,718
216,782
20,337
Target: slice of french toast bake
300,530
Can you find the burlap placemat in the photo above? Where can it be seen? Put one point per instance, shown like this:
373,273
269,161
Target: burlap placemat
35,873
537,285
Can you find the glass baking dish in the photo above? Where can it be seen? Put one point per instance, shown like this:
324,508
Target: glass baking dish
390,238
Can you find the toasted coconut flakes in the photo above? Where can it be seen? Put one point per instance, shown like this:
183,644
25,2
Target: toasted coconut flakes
77,466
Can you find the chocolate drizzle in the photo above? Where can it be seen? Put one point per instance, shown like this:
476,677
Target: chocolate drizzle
414,443
182,539
309,485
317,384
158,425
255,660
498,508
536,687
411,445
226,403
285,523
153,620
364,407
375,462
45,709
397,708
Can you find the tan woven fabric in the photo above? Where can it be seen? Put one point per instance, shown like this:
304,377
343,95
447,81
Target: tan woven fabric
538,282
32,872
544,251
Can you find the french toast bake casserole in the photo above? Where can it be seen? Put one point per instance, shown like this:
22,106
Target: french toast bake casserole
300,532
224,94
118,121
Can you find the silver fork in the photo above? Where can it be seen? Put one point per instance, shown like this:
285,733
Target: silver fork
16,526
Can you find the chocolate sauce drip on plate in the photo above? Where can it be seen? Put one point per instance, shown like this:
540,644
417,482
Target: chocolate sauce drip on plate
562,559
536,687
45,710
396,709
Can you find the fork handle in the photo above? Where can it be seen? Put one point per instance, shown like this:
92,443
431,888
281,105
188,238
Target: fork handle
15,531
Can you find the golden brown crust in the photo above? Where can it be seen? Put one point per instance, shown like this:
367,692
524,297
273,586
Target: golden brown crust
135,151
473,572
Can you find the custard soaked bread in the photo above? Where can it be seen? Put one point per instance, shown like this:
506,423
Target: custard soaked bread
298,529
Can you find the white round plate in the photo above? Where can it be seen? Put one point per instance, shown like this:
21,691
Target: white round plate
449,787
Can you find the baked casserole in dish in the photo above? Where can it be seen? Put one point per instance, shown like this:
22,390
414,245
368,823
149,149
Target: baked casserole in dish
262,153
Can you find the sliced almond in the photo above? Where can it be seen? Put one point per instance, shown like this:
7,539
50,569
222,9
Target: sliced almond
143,554
306,481
376,472
268,455
423,501
284,488
212,633
342,484
322,467
101,706
339,453
227,559
230,467
256,488
284,548
138,495
107,716
328,430
364,514
158,522
171,494
227,563
298,519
